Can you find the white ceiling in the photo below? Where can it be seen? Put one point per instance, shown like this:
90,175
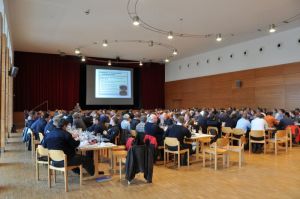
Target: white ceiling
49,26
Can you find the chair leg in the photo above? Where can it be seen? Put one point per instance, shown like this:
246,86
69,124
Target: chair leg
80,175
227,159
66,180
250,147
286,146
265,147
37,170
54,176
120,167
165,158
49,177
203,156
224,159
216,159
178,160
275,148
188,158
240,158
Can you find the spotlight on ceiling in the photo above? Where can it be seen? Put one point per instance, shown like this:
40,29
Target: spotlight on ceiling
83,58
77,51
175,52
272,28
141,63
170,36
167,60
109,63
151,43
136,21
219,37
104,44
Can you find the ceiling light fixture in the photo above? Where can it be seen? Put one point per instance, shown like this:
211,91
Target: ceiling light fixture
109,63
141,63
219,37
83,58
175,52
104,44
170,36
77,51
136,21
167,60
272,28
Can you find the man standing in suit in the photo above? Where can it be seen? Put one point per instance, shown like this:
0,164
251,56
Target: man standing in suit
180,132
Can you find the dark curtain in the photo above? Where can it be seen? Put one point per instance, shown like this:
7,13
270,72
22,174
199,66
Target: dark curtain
46,77
152,86
57,79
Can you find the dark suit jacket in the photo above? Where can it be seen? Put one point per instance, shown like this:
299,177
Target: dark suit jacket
133,123
179,132
59,139
156,131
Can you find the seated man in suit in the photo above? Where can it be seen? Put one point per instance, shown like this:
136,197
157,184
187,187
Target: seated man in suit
152,128
97,127
113,131
179,131
61,139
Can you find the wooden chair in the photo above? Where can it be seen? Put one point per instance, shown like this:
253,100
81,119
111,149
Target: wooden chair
58,155
281,137
226,132
220,147
257,134
119,154
173,142
41,158
240,148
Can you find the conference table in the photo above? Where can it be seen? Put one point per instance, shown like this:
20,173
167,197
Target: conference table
96,148
197,138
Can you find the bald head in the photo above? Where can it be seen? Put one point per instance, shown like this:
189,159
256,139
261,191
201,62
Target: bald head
153,118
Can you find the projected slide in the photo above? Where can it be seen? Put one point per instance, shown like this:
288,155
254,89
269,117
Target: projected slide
112,83
109,85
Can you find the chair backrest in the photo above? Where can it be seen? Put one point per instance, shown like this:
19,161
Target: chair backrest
56,155
257,133
226,131
41,136
281,134
237,131
42,151
171,141
222,142
212,130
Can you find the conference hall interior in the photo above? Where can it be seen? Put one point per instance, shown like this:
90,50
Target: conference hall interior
150,99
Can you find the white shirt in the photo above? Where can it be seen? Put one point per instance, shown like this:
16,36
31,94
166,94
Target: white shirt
259,124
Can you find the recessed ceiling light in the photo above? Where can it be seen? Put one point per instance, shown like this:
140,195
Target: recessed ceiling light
83,58
109,63
167,60
272,28
219,37
175,52
104,44
77,51
141,63
136,21
170,36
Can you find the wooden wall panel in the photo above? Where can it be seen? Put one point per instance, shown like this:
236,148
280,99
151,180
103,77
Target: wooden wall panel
270,87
